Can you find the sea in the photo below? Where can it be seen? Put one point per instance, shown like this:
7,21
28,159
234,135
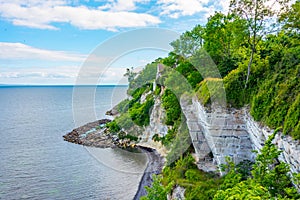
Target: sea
35,161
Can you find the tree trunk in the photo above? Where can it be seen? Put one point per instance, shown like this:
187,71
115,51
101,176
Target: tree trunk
249,66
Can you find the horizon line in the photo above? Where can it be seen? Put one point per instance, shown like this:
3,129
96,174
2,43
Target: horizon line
62,85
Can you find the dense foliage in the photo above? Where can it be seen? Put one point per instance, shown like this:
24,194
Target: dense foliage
237,46
140,113
171,105
179,144
258,65
266,179
184,68
210,89
274,86
146,76
133,112
198,184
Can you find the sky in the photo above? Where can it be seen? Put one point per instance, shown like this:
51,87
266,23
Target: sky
49,42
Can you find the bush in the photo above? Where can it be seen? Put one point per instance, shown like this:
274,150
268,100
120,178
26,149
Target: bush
198,184
124,121
123,106
113,127
123,135
211,89
140,113
171,106
157,90
270,178
292,119
146,76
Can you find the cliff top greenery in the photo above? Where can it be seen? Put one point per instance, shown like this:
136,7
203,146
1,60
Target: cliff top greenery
256,62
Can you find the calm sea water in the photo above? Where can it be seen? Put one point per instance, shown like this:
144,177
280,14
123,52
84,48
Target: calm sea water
35,162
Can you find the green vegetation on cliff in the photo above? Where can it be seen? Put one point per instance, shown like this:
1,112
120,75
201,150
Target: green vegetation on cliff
272,85
171,105
265,179
257,66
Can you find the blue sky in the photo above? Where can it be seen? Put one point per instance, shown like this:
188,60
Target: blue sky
48,41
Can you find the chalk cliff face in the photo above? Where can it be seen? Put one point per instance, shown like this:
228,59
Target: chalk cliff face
222,133
233,133
290,148
156,125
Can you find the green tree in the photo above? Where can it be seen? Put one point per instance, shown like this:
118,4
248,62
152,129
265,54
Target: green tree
268,171
270,178
146,76
291,17
224,34
248,189
171,104
158,191
140,113
233,177
257,14
189,42
130,74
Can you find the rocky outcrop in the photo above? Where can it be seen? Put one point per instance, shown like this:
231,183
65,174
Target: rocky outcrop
177,193
144,96
92,134
112,112
196,130
156,126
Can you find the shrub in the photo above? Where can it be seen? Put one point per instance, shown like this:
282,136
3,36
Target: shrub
211,89
140,113
113,127
171,106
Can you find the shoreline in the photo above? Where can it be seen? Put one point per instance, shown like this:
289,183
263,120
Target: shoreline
154,166
97,138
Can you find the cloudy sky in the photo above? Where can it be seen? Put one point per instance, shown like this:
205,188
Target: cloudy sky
48,41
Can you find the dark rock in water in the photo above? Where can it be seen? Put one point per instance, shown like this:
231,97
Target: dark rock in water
95,134
91,134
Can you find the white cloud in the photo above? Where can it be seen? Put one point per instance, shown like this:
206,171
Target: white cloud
123,5
177,8
15,51
42,14
225,5
109,15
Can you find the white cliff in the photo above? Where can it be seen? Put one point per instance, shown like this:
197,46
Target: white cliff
233,133
290,148
156,126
